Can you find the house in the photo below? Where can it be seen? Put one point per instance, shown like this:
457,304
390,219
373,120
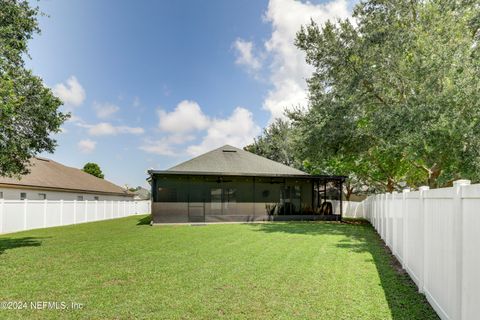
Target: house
140,193
230,184
53,181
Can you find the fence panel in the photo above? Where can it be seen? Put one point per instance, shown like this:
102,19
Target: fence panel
34,214
414,237
18,215
53,214
439,255
13,217
90,210
436,236
471,254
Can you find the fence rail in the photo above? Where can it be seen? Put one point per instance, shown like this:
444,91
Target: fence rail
435,234
19,215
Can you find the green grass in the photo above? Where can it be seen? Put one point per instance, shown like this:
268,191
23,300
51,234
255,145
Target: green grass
126,269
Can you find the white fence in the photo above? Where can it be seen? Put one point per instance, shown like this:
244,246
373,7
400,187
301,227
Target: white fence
435,234
350,209
18,215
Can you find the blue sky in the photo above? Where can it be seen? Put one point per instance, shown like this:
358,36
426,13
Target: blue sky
152,83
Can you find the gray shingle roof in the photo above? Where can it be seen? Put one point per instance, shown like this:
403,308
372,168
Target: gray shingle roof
230,160
45,173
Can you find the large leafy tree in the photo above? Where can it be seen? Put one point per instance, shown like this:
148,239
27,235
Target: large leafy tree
93,169
28,110
276,143
397,94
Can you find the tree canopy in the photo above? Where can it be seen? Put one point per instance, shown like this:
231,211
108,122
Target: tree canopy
394,99
93,169
28,109
276,143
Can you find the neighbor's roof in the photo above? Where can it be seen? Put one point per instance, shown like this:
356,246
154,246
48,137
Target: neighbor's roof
229,160
48,174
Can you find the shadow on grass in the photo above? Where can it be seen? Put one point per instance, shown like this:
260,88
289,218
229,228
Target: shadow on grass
401,293
12,243
144,221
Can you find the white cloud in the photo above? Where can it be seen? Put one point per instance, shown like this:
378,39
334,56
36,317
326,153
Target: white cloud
188,123
71,93
166,145
186,117
106,128
136,102
158,147
238,130
86,146
288,71
245,55
105,110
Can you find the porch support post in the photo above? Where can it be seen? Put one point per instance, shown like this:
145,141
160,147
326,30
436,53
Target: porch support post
313,195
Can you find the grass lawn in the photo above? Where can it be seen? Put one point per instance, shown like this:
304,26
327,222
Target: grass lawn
126,269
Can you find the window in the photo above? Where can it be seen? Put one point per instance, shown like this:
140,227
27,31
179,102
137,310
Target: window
95,198
80,198
1,195
23,195
42,196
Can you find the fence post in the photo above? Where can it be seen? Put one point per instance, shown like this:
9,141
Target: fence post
404,215
421,200
61,212
25,214
45,213
395,218
381,211
2,204
387,220
74,211
458,242
104,209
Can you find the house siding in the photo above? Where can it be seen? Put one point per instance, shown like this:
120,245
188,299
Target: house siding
34,194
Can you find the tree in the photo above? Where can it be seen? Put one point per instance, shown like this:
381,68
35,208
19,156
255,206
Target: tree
28,109
93,169
397,93
276,143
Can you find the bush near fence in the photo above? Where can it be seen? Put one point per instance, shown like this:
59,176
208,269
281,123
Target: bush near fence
18,215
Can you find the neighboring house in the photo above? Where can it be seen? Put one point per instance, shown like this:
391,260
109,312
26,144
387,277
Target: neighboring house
53,181
141,193
230,184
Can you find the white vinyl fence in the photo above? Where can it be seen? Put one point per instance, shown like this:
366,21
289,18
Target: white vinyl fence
350,209
18,215
435,234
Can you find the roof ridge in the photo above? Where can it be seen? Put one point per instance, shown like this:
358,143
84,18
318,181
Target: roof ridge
240,161
200,155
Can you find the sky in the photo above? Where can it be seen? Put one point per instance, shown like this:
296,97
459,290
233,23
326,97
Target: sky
150,84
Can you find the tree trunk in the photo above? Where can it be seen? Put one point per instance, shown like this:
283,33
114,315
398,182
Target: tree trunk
390,185
433,174
348,193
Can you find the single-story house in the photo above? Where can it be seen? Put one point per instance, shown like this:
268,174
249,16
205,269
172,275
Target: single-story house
141,193
230,184
53,181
